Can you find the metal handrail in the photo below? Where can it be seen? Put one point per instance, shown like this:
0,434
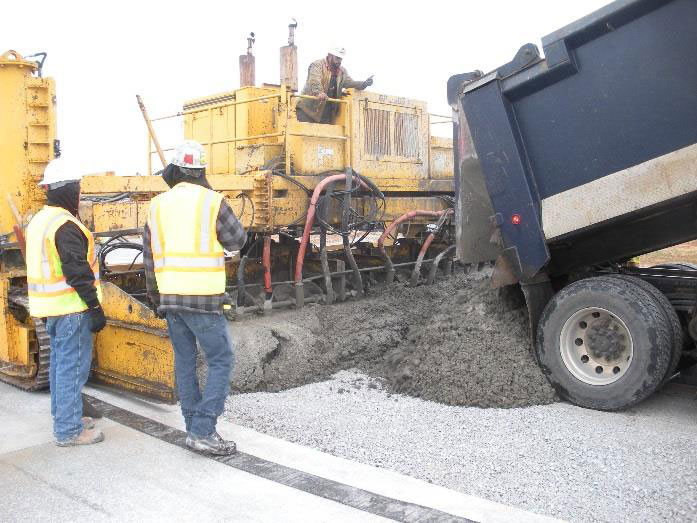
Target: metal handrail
243,138
166,117
308,97
234,102
327,136
260,136
168,149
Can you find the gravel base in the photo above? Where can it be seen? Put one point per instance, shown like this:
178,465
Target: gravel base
558,460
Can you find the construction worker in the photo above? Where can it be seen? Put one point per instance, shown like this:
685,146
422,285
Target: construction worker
63,281
326,79
186,231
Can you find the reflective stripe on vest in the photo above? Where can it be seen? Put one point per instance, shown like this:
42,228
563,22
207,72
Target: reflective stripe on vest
172,261
187,256
49,293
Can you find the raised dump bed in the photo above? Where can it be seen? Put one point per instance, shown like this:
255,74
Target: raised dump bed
571,164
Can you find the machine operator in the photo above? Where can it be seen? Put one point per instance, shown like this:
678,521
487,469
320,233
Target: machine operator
326,79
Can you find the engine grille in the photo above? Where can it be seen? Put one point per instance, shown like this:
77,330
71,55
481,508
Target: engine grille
406,135
392,134
377,132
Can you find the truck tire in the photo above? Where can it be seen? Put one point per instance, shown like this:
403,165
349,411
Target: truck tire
687,354
604,343
671,316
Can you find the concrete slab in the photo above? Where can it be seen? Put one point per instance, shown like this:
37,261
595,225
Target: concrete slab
133,476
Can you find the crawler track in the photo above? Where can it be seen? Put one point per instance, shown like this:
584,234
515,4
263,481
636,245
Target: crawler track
40,379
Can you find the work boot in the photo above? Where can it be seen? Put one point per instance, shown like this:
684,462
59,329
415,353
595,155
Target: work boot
212,444
87,422
86,437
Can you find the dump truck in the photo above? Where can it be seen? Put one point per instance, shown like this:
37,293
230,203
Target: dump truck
375,168
567,167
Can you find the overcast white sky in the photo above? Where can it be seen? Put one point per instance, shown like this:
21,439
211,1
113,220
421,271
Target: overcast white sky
104,53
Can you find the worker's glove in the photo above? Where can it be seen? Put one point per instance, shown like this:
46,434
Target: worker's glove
367,83
97,318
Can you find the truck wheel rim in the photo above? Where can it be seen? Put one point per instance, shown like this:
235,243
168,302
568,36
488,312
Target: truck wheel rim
596,346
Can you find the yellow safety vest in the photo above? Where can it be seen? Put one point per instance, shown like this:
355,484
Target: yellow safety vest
188,258
49,293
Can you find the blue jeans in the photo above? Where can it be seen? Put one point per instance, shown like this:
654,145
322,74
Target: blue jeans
71,356
201,411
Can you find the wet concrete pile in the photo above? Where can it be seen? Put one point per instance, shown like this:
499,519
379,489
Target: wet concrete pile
457,342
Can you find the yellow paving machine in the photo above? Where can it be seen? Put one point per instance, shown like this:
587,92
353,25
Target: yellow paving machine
330,210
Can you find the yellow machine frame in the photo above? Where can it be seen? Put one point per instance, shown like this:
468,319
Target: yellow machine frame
244,130
250,135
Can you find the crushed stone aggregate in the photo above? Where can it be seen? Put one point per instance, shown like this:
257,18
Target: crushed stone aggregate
558,460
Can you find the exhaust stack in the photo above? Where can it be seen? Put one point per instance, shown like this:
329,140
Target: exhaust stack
247,64
289,59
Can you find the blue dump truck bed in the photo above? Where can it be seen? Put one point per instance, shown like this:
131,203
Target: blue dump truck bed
587,156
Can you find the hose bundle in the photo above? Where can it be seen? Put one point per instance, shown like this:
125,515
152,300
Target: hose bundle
355,220
113,244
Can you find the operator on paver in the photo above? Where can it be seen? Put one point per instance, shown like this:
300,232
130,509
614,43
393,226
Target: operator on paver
326,79
63,287
183,240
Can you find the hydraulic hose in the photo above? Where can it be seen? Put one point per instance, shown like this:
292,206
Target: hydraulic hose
427,243
419,260
393,226
436,262
309,221
358,283
240,274
266,260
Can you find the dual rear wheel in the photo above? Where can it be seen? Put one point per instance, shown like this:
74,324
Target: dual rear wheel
608,342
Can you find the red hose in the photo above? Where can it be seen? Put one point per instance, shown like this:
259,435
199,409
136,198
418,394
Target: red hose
425,247
311,220
406,217
266,260
419,260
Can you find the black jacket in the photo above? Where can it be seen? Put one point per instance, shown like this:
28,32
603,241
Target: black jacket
72,245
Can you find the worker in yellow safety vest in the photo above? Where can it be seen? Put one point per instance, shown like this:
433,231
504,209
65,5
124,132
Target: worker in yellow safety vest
187,230
63,288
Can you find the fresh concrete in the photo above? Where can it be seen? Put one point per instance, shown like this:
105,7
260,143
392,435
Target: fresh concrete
457,342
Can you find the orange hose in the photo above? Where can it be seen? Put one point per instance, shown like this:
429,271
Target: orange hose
266,260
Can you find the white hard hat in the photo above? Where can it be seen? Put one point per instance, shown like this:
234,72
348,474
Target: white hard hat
339,52
57,171
190,155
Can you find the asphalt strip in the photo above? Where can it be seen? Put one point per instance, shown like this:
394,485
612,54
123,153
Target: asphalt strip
332,490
